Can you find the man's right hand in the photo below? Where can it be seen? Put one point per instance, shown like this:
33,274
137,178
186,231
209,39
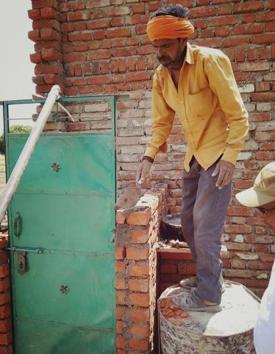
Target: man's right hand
143,173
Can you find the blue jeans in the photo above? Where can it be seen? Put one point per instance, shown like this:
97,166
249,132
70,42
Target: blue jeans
203,214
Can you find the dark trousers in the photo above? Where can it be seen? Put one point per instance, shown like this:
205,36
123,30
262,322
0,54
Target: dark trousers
203,215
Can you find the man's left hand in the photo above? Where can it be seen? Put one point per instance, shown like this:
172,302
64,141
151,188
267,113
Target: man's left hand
224,170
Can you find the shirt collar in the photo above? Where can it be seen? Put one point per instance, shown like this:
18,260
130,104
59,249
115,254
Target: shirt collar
189,58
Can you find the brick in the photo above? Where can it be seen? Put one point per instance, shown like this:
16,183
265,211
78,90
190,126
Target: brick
34,35
4,270
48,12
139,344
139,299
141,216
5,338
120,252
139,285
121,297
137,253
139,269
248,6
4,284
35,58
120,342
139,235
263,97
138,314
119,327
5,326
120,283
259,66
34,14
140,330
169,268
187,268
114,33
5,311
4,298
3,242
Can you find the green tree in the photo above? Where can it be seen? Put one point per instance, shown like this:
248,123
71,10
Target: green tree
15,129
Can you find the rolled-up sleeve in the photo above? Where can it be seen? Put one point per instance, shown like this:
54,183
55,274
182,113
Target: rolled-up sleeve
162,121
222,82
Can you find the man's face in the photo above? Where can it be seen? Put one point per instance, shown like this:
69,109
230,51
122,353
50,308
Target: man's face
268,213
170,52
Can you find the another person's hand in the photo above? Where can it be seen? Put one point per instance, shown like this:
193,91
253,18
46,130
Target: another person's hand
143,172
224,170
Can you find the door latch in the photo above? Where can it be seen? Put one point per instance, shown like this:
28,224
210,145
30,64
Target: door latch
17,225
22,262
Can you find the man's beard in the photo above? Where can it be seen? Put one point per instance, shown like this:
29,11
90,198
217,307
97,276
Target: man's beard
170,63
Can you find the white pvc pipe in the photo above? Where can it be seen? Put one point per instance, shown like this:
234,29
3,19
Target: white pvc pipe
27,151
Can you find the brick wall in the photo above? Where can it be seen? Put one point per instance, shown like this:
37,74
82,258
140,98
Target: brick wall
136,271
5,305
100,47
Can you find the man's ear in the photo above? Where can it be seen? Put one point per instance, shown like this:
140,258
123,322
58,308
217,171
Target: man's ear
182,42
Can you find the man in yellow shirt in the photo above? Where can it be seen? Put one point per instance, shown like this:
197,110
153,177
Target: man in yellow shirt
198,84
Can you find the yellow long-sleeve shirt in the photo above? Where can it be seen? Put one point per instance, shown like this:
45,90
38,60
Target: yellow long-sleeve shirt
209,106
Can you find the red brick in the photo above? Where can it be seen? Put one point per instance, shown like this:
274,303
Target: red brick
5,326
4,298
49,34
34,35
119,327
4,284
120,310
169,268
48,12
121,297
139,344
139,235
139,299
4,270
114,33
120,283
120,252
120,266
138,269
187,268
249,6
263,97
34,14
139,285
120,342
5,338
137,253
36,58
141,216
138,314
140,330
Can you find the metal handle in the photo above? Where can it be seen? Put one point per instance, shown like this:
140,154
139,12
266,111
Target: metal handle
17,225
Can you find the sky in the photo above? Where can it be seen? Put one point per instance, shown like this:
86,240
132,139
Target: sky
16,70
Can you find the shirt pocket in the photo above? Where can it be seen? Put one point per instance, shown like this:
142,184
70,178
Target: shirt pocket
201,104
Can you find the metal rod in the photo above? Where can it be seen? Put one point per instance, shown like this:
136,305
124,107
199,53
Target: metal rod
27,151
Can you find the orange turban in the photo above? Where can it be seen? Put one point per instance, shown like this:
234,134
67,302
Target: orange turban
169,27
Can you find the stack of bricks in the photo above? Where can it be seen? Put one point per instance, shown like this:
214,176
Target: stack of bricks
5,301
136,264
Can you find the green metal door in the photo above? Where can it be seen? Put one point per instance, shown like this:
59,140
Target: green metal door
62,252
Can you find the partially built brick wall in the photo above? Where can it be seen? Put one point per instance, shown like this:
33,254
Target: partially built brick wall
93,47
100,47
